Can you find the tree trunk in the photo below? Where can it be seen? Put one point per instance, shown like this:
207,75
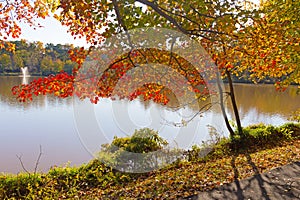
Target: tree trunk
234,106
229,128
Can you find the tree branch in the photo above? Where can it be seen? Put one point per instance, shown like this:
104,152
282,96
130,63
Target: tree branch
22,164
38,160
163,14
121,21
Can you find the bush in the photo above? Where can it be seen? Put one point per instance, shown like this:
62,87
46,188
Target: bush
143,151
261,134
142,141
296,116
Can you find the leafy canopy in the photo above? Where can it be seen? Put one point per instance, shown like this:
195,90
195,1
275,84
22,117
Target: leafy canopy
242,38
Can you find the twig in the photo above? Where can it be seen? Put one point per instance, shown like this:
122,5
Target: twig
36,163
22,164
38,160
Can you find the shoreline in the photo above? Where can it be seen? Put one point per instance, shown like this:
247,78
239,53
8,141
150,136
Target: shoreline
224,81
229,160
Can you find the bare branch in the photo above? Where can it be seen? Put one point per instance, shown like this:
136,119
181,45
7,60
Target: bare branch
36,163
38,160
183,123
22,164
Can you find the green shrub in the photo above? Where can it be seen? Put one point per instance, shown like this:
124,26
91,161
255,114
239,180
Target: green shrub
290,130
296,116
261,134
21,185
140,152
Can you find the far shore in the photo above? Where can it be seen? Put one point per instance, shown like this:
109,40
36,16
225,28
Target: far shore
267,82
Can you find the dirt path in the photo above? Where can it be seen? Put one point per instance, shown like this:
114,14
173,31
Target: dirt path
278,184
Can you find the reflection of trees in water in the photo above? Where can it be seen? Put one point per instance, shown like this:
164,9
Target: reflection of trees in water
175,103
179,112
265,99
262,98
7,98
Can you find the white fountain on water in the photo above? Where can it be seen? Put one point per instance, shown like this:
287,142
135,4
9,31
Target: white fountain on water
25,71
25,75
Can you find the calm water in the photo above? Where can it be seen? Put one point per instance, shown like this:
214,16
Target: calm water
71,131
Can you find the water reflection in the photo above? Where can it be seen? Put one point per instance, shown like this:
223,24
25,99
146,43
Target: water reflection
8,101
46,121
25,80
265,99
98,124
50,122
263,104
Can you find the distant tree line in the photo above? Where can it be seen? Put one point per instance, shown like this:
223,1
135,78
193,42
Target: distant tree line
39,58
50,59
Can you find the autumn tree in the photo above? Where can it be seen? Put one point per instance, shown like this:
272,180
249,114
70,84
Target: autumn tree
14,12
273,43
235,33
212,23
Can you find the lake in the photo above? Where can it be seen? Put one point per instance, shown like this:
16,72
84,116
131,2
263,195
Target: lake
70,130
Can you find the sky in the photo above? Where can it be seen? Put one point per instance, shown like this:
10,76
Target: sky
52,32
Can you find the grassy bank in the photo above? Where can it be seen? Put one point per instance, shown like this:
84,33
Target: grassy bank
264,148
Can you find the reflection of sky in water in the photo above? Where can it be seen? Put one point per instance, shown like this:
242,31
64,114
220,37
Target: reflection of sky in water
50,122
51,126
254,117
121,118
